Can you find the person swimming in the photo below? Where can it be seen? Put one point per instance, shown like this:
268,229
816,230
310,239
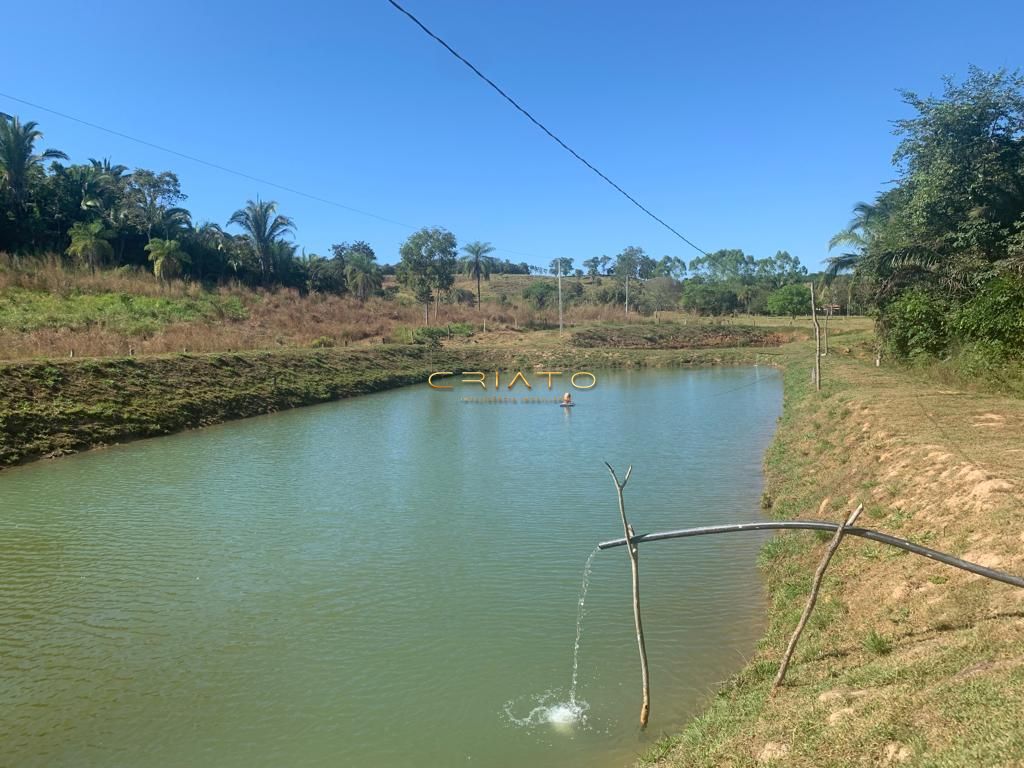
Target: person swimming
567,399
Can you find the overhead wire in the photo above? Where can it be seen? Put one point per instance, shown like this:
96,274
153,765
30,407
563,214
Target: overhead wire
544,128
226,169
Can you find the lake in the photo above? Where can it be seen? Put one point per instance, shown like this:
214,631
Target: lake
391,580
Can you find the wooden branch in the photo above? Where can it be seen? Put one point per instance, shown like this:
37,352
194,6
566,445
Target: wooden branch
819,575
634,561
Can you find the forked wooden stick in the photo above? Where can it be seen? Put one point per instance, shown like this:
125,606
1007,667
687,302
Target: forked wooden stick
634,561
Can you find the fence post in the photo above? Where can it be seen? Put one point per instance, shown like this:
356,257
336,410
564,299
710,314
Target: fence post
817,342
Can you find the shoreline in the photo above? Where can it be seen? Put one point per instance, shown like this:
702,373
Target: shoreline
905,661
52,408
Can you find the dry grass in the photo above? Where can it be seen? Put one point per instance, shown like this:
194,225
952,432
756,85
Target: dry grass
53,311
906,661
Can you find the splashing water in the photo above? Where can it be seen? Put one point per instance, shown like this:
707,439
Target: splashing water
547,707
580,611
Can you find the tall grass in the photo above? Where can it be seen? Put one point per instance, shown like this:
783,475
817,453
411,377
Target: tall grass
50,310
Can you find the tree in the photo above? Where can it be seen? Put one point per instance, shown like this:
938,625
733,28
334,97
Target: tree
627,265
780,269
263,227
324,275
89,244
19,163
363,275
478,263
563,264
707,298
592,266
208,245
428,265
792,300
729,265
663,293
670,266
167,258
153,200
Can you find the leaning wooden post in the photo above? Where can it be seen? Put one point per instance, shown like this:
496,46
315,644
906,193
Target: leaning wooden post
634,561
815,587
817,342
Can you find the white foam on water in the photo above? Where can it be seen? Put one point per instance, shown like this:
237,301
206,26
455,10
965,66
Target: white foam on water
548,710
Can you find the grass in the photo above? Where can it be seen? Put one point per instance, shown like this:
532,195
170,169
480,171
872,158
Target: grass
905,662
130,314
48,311
673,335
877,644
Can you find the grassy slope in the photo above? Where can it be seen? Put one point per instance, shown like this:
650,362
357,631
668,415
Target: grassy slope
905,661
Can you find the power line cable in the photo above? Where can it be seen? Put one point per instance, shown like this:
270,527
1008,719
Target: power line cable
544,128
225,169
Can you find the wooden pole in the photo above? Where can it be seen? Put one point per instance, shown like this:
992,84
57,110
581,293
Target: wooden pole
828,314
817,342
634,562
559,271
819,575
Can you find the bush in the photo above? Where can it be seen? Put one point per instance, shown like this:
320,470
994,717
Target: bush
540,294
994,315
914,325
983,360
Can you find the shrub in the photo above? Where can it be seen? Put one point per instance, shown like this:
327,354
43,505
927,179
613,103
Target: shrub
540,294
915,326
994,315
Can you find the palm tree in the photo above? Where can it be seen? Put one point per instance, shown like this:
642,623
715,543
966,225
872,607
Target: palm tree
89,243
18,160
362,275
478,263
263,227
167,258
858,234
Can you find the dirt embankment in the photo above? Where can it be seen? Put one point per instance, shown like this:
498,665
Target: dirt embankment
905,661
51,408
676,336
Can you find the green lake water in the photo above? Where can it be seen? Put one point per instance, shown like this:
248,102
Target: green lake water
391,580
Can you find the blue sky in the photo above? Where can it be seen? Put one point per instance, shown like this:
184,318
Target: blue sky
744,125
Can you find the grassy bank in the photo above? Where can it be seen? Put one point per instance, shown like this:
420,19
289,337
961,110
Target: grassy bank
905,661
51,408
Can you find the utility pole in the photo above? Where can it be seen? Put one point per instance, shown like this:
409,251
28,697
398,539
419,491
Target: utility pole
558,271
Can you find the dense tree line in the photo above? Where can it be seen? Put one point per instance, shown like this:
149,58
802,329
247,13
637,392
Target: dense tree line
102,215
724,282
942,250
